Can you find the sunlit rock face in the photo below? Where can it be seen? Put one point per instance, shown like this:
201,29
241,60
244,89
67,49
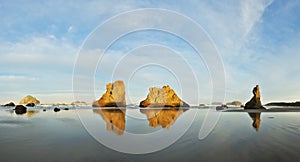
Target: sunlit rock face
162,97
163,117
114,118
255,102
29,99
114,95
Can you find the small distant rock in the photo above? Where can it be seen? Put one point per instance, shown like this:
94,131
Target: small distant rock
222,107
202,105
255,102
78,103
66,108
20,109
44,109
30,104
10,104
29,99
56,109
162,97
114,95
60,104
235,103
217,103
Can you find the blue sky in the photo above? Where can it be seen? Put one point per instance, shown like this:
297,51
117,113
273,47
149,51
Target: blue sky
258,41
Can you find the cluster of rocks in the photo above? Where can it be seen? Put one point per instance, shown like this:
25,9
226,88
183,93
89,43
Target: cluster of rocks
254,103
162,97
56,109
28,101
157,97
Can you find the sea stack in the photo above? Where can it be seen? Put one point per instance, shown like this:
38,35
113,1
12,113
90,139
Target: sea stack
255,102
29,99
162,97
114,95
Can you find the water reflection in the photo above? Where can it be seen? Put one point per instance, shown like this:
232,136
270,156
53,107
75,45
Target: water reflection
30,113
162,117
114,118
256,120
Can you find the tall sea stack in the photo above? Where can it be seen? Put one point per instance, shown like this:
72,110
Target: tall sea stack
162,97
114,95
255,102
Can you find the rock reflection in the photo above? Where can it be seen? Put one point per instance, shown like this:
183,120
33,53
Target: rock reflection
30,113
162,117
114,118
256,120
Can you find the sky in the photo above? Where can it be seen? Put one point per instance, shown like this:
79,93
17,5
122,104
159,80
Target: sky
258,42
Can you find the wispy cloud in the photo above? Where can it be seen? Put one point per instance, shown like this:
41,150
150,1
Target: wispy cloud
16,77
251,12
36,64
36,53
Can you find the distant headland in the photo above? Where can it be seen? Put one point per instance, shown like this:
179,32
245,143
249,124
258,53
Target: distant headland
297,103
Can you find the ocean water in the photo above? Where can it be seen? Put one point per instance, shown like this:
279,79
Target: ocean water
84,133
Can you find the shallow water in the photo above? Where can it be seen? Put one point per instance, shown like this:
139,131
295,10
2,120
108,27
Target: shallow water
64,135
